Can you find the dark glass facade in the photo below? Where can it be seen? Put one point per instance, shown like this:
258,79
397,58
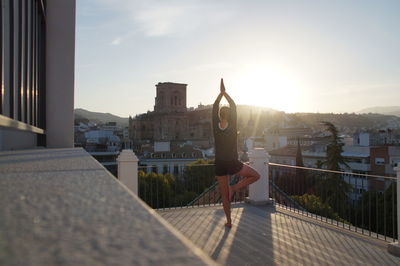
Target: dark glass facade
22,95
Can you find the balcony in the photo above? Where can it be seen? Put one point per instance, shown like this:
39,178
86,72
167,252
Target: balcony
60,206
359,166
352,228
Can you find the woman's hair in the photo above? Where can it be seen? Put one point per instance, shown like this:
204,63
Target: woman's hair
224,113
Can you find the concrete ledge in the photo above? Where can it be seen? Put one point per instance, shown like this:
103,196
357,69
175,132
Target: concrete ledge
61,207
394,249
258,202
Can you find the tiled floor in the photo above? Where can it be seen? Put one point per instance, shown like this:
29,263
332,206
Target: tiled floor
268,236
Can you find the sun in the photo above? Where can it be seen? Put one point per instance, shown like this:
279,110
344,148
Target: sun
268,87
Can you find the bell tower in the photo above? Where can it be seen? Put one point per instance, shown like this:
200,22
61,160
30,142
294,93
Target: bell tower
170,97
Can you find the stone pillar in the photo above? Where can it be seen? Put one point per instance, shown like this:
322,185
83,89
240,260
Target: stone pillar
394,248
259,190
128,170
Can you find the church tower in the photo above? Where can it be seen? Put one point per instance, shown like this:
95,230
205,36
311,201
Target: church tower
170,97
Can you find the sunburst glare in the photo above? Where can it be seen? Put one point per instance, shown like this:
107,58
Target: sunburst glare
267,86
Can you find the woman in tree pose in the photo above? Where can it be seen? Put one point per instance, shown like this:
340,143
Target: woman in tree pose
226,155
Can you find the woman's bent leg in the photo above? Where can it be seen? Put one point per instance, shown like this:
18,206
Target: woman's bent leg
250,176
224,190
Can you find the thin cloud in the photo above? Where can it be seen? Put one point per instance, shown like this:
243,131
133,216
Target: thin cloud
160,21
116,41
160,18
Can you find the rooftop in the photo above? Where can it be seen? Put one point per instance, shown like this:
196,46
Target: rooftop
268,235
60,206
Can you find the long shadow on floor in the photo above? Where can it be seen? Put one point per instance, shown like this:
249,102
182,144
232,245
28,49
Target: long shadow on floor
265,236
252,244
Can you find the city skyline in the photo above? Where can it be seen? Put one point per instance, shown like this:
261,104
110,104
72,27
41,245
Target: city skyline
294,56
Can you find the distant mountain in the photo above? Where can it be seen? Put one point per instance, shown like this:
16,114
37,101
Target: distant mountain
261,118
346,122
100,117
83,115
385,110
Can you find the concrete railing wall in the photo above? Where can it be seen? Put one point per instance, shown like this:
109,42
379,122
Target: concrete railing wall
61,206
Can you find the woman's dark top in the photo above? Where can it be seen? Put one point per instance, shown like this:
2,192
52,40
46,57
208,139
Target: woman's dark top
225,140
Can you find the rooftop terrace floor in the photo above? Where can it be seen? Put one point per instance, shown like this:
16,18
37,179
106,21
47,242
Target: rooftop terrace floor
265,235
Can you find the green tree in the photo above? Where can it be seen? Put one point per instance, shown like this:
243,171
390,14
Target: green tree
376,211
334,149
198,176
165,190
313,204
156,189
332,188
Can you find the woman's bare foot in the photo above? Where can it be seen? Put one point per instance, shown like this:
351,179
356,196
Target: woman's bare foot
229,225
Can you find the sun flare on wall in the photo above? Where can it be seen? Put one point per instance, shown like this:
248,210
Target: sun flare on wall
268,87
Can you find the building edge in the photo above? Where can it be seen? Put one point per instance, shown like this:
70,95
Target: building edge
60,73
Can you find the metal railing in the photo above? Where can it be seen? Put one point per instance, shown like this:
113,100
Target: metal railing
358,202
185,186
211,194
177,186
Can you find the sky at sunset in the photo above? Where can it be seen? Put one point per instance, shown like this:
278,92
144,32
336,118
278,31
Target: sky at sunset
294,56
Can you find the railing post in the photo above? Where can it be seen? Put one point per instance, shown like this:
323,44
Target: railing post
128,169
394,248
259,190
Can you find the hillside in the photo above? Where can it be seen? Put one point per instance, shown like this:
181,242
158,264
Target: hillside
99,117
263,118
385,110
348,122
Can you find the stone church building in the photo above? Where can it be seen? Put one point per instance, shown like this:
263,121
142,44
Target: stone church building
171,120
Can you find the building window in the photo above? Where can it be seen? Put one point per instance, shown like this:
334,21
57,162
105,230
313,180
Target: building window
176,169
154,169
165,169
379,161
